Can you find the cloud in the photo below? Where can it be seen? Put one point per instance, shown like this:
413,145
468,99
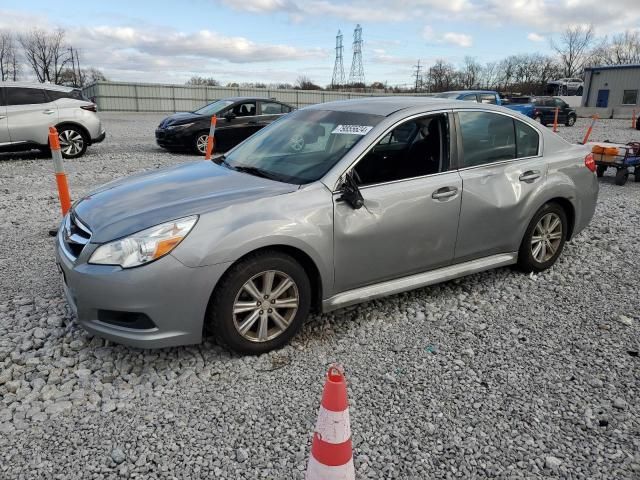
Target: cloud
448,38
534,37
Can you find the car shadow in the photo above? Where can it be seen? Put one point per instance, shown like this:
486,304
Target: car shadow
24,155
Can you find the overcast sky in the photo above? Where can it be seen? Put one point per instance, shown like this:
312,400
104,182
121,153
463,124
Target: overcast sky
278,40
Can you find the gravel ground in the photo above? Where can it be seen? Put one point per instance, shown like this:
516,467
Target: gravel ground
498,375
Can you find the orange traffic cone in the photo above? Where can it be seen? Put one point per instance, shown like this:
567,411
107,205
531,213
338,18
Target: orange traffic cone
331,456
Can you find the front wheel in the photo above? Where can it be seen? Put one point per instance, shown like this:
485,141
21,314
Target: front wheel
73,142
200,143
260,303
571,121
544,239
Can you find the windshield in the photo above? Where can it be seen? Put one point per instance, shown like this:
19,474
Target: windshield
214,107
302,146
448,95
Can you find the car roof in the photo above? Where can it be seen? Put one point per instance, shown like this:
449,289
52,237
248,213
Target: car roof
46,86
385,106
241,99
470,91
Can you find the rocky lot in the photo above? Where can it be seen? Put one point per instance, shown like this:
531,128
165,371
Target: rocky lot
498,375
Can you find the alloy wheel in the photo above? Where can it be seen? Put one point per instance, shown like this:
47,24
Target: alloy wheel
546,238
71,142
265,306
201,143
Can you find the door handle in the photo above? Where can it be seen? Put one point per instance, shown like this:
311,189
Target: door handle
529,176
445,192
48,112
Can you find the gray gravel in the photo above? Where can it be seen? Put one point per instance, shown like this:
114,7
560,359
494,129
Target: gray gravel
497,375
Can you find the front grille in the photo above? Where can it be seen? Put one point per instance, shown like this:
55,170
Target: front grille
75,235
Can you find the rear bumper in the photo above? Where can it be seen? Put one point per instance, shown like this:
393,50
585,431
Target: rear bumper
172,297
99,138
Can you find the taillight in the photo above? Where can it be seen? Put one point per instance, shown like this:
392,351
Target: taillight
91,108
589,162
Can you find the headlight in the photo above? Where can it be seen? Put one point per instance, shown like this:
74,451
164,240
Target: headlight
182,125
145,246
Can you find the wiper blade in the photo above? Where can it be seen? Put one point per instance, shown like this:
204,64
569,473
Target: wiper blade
258,172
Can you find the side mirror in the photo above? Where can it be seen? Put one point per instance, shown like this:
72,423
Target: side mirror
229,116
351,193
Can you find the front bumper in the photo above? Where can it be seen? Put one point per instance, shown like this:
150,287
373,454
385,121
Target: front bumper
173,296
171,139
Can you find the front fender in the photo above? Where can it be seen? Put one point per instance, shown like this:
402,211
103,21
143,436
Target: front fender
302,219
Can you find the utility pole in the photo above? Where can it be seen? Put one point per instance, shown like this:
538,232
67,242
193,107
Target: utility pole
418,68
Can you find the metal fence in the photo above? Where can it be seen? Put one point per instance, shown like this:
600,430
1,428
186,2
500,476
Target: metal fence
150,97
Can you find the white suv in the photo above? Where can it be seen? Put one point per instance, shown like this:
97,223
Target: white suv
27,110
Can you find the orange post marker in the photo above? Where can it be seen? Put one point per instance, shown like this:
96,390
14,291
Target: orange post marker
61,177
331,451
588,134
555,121
210,138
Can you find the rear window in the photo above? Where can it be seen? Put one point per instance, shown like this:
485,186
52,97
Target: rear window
75,94
25,96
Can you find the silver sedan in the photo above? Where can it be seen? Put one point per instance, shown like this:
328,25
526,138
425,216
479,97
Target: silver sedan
332,205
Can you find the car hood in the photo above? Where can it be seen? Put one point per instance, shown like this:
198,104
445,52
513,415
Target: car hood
128,205
181,117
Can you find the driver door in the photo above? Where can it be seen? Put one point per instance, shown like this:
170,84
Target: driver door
241,124
409,220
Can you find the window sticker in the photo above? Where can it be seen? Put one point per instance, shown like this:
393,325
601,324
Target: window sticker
352,129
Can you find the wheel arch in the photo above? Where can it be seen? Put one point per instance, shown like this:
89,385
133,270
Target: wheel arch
77,125
569,210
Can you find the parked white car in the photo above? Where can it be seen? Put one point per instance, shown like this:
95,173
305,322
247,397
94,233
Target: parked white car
27,110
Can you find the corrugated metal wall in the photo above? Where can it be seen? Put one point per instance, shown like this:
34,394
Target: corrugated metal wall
616,81
149,97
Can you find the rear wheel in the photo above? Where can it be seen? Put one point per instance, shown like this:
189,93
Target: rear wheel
260,303
600,169
636,174
73,141
544,239
571,121
622,175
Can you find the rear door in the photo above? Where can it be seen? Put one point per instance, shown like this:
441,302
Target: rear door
29,114
4,124
501,168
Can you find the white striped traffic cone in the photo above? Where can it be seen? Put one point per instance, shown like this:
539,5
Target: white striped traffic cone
331,456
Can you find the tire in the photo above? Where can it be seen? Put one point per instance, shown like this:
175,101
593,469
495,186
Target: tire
534,259
225,325
200,142
636,174
73,141
571,121
622,175
600,169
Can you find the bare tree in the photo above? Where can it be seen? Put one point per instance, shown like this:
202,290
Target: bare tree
305,83
203,81
470,73
622,49
46,53
9,64
573,49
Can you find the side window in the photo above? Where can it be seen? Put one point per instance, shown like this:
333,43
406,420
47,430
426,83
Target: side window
470,98
486,138
527,140
415,148
630,97
272,108
488,98
558,102
25,96
247,109
57,95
